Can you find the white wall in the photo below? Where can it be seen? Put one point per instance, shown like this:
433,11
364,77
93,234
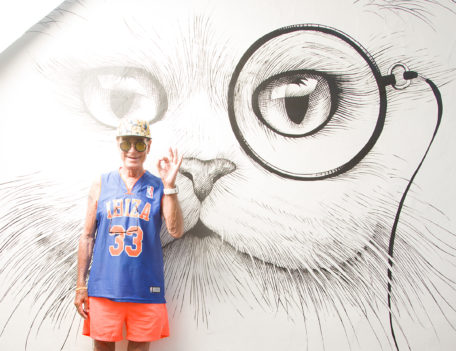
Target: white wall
277,254
18,16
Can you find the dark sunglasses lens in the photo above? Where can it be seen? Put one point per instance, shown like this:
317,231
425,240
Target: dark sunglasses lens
125,145
140,146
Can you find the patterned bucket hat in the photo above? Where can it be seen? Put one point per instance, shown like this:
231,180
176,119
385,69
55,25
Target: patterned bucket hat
133,127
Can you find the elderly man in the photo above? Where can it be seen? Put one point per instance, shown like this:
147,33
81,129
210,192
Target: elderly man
121,232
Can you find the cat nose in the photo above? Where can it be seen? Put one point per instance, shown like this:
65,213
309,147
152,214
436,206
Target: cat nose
204,173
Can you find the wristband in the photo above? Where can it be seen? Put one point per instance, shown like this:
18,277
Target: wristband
170,191
81,288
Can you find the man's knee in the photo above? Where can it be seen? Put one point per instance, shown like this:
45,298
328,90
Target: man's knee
103,345
138,346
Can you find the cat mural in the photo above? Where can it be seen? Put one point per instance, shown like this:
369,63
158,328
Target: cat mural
315,146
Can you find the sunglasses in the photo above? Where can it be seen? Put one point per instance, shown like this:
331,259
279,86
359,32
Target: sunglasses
140,146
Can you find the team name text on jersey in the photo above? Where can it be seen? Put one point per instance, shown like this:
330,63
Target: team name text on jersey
127,208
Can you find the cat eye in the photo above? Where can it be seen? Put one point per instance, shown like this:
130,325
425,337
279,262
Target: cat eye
296,103
306,102
110,93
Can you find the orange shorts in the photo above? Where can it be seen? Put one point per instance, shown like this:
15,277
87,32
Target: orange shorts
144,321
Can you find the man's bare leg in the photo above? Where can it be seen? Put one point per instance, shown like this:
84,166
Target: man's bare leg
103,345
138,346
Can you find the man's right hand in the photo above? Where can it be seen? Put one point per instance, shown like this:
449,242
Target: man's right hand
81,301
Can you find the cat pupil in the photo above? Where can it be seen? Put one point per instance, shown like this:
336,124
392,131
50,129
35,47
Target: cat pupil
296,107
121,102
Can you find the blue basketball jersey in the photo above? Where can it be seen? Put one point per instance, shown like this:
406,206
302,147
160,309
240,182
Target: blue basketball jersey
127,257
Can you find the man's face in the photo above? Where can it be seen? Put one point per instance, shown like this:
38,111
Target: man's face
265,115
133,151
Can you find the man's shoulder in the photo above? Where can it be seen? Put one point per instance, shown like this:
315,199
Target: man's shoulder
149,177
114,174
